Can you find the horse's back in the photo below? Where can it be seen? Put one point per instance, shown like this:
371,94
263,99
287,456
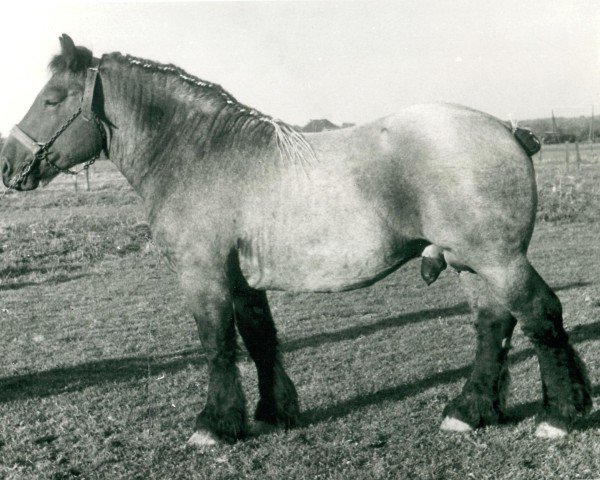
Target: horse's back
452,164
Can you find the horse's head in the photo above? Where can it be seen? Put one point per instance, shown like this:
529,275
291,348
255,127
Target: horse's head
59,130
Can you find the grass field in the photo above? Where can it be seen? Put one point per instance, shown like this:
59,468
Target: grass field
102,374
568,192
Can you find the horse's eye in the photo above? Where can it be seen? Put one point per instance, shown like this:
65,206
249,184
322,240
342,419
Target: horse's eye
54,96
51,101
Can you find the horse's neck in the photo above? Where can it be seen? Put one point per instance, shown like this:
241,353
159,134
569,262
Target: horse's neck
153,132
164,132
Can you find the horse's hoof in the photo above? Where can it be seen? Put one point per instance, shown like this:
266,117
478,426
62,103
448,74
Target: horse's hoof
203,438
545,430
451,424
262,428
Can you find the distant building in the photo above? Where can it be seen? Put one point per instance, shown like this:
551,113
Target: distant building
322,125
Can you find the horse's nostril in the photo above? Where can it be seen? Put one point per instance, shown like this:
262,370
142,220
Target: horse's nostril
5,166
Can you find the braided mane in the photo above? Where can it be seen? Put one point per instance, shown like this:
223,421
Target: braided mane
291,144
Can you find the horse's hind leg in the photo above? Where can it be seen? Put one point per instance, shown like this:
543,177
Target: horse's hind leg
278,403
224,415
482,399
566,388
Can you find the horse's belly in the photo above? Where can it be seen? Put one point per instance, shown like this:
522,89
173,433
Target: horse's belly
325,259
315,272
321,232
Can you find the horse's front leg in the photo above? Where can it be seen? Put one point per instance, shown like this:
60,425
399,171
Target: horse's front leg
278,403
224,415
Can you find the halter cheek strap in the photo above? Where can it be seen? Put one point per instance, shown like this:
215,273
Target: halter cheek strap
88,94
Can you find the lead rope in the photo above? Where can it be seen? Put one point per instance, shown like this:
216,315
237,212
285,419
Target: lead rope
89,162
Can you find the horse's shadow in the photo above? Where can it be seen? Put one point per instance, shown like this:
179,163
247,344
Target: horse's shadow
393,322
25,269
593,420
54,280
78,377
61,275
515,414
363,330
520,412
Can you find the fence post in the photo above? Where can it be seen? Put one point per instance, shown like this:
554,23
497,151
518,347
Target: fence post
567,155
87,179
577,156
75,182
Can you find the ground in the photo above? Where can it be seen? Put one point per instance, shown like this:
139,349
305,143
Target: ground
102,373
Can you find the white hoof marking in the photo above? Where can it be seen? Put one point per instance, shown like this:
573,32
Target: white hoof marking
450,424
545,430
203,439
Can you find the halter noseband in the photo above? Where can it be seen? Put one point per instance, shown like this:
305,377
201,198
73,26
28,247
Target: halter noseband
39,150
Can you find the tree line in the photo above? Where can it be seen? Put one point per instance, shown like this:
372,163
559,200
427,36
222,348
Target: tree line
574,129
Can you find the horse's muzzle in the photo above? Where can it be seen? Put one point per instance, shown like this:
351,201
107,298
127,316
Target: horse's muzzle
30,182
6,169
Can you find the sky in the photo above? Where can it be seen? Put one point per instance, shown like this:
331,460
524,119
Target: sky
345,61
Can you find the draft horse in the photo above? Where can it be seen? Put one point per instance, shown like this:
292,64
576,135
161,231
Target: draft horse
241,203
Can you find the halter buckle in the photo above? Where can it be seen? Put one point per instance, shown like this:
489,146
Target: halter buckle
88,94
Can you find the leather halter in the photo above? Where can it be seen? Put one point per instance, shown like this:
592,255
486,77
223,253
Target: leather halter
39,150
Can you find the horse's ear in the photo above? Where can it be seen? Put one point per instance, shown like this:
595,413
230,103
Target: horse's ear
71,58
68,50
